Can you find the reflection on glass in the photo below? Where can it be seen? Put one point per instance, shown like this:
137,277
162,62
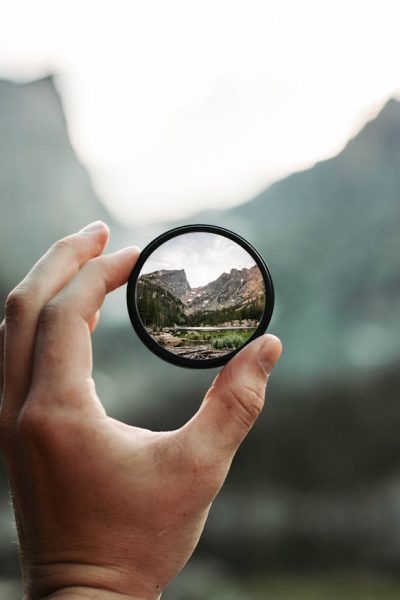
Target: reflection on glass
200,295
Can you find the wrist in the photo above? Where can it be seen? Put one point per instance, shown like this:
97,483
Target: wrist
85,582
88,593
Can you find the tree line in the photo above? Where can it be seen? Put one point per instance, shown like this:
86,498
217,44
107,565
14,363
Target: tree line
158,307
253,310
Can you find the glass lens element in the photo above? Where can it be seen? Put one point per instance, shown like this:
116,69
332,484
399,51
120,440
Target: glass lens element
200,295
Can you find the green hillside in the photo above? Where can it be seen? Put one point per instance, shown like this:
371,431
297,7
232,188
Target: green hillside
157,306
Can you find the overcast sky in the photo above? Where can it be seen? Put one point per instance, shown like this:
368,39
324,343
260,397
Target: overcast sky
204,256
177,106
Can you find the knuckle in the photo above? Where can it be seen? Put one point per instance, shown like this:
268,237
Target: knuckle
77,246
17,303
246,404
69,246
49,314
62,244
33,423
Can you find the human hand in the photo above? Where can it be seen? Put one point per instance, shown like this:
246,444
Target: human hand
104,509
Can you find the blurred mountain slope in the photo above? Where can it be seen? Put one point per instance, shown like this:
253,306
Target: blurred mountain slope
330,235
45,192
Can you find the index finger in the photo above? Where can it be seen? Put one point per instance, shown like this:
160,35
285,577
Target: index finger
24,304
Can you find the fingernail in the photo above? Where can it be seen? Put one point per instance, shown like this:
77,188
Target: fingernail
269,352
95,226
128,249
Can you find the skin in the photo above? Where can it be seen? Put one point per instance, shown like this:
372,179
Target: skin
104,509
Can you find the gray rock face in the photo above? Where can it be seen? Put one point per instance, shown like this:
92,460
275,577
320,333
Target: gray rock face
174,280
234,289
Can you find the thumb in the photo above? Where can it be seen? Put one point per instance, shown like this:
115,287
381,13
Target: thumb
235,398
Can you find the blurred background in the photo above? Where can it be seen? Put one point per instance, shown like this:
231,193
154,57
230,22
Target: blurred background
280,121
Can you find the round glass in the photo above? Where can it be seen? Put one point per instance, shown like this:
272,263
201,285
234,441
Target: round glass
198,294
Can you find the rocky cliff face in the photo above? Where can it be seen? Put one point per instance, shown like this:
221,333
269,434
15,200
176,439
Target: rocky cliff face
174,280
237,288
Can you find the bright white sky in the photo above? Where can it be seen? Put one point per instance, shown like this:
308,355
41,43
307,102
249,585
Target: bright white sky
178,106
204,256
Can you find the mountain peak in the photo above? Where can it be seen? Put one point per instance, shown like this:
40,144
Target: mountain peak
390,108
380,137
174,280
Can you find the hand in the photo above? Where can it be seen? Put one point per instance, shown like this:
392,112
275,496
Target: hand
104,509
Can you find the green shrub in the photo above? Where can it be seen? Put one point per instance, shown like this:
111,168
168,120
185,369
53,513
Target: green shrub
229,340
